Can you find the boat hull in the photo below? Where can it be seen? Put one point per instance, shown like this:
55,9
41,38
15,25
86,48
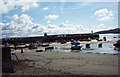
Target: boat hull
117,45
76,48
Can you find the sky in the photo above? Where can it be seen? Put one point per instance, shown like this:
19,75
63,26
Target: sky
26,19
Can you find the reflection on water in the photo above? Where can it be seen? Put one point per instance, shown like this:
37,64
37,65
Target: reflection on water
106,48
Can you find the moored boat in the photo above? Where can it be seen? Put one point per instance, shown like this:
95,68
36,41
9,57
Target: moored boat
38,50
32,46
76,47
117,45
75,43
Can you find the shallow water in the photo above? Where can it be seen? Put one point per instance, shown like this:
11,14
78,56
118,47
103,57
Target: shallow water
110,36
106,48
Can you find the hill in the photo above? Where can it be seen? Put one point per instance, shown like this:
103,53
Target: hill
113,31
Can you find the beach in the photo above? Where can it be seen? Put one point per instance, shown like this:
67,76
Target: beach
59,37
62,63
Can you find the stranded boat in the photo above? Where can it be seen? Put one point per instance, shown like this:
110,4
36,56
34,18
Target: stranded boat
76,47
117,45
32,46
75,43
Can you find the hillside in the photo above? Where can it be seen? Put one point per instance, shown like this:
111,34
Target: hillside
113,31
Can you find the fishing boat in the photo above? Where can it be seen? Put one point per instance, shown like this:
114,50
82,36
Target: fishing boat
76,47
32,46
49,48
75,43
117,45
39,50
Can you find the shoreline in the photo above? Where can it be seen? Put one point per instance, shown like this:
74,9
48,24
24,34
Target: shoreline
62,63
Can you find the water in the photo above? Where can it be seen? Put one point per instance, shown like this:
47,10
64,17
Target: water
110,36
106,47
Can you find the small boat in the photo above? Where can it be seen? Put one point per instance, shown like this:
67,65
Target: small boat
87,45
6,44
39,43
49,48
117,45
114,37
75,43
39,50
76,47
63,42
100,45
32,46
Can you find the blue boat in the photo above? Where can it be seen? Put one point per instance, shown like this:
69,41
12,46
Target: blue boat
75,43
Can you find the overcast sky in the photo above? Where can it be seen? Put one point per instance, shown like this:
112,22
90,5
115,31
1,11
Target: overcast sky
23,19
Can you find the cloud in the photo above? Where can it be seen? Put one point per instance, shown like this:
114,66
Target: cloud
37,29
104,14
51,26
52,17
79,27
24,19
18,26
48,21
28,5
65,25
105,18
23,26
101,25
15,17
46,8
110,13
36,26
8,5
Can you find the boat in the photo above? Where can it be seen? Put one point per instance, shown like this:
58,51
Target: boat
63,42
100,45
38,50
6,44
75,43
32,46
76,47
87,45
49,48
114,37
45,45
117,45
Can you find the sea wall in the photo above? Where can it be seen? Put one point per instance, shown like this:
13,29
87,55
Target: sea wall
52,38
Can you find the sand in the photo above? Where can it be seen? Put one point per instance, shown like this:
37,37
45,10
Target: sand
61,63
